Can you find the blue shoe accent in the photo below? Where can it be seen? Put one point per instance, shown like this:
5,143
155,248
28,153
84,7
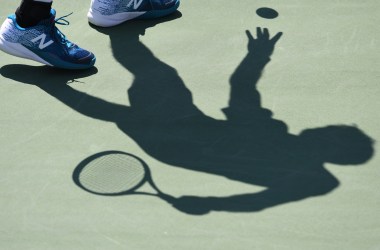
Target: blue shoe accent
44,43
160,9
106,13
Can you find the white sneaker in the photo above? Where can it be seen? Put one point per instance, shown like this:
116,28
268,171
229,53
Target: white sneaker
107,13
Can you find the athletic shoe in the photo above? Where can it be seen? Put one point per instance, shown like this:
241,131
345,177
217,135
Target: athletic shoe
44,43
106,13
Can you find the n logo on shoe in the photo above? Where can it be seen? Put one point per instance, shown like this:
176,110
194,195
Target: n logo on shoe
136,4
42,39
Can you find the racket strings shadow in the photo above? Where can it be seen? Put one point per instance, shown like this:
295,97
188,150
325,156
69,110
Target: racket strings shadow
116,173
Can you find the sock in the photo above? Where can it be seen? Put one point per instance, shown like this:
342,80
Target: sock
31,12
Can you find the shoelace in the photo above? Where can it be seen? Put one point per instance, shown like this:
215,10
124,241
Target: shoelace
61,36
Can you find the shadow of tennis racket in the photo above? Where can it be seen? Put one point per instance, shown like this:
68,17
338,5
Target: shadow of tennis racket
113,173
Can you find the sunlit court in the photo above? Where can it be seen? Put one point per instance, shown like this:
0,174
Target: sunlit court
184,125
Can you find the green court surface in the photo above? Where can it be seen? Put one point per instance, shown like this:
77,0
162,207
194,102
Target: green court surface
242,179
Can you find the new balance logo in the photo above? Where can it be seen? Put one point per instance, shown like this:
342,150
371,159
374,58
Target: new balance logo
42,39
136,4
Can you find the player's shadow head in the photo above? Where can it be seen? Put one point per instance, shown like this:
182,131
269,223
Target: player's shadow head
339,144
44,75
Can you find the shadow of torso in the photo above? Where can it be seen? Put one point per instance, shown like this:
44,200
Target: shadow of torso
250,146
256,150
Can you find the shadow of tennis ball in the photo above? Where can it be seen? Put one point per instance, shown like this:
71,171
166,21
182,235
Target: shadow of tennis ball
267,13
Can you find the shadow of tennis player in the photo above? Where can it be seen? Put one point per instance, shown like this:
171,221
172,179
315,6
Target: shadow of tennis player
250,146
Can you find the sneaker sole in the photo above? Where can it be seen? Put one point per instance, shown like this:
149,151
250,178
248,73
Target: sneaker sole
112,20
18,50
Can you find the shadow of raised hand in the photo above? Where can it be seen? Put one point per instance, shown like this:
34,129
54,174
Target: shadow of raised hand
263,44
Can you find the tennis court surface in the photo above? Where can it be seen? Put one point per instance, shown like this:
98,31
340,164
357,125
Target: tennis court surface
248,153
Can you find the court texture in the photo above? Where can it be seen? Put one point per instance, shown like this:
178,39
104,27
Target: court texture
234,143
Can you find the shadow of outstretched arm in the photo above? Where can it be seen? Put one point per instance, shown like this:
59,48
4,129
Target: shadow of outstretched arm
290,189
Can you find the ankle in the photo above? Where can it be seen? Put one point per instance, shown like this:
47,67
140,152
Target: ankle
30,13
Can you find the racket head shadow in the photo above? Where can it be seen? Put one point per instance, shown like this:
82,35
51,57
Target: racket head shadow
111,173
